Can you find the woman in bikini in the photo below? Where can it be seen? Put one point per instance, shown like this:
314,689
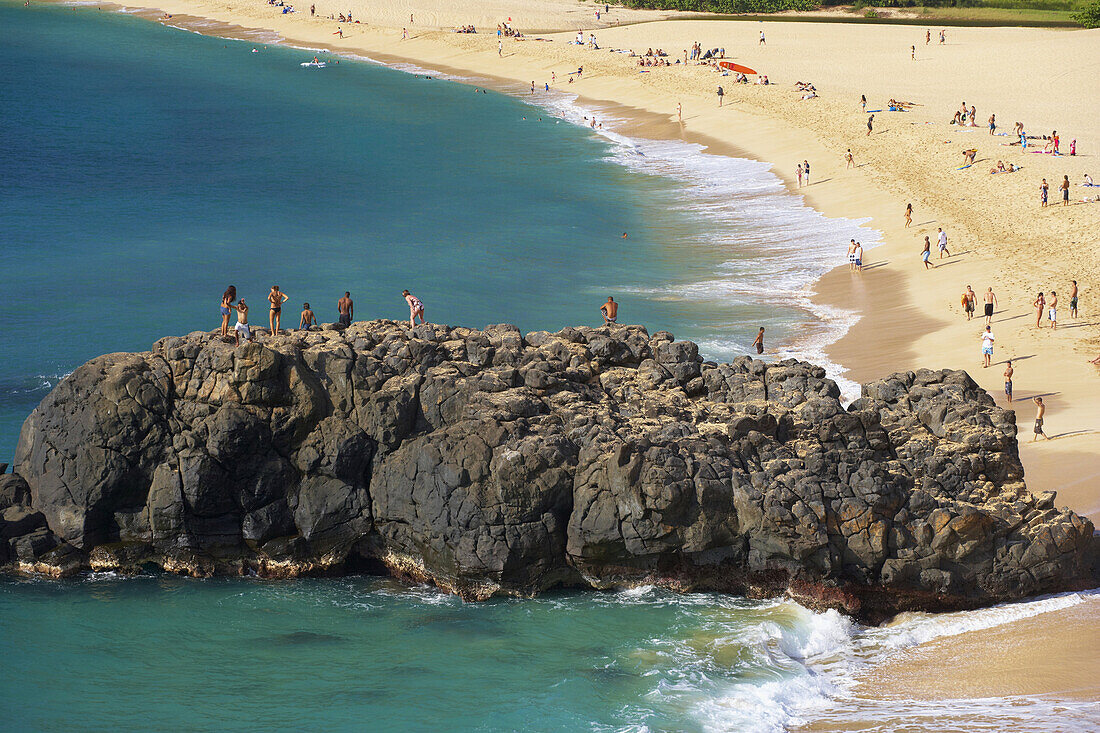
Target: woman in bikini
276,297
908,214
228,297
416,308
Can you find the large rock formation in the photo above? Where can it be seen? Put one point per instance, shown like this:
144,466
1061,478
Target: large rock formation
490,462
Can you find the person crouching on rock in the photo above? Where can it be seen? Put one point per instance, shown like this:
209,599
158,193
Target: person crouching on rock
308,318
610,311
416,308
242,324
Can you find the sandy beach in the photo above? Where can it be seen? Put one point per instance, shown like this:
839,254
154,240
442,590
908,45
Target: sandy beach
910,317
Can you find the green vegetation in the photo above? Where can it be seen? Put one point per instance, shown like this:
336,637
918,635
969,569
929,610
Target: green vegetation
954,12
1089,16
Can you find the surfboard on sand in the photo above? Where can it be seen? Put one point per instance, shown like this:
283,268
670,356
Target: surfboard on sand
735,67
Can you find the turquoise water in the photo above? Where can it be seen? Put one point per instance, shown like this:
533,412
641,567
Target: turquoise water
144,168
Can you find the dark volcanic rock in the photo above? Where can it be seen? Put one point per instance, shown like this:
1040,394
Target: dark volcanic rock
488,462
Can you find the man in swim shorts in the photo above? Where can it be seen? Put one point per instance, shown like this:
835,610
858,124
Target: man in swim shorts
987,347
943,243
416,308
345,308
859,257
308,318
970,298
990,301
926,253
242,324
1008,381
1073,299
610,311
1040,411
759,342
1052,310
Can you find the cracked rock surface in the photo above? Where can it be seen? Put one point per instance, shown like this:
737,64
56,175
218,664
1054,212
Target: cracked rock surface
491,462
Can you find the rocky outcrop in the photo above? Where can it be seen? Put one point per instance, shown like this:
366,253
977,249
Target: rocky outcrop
489,462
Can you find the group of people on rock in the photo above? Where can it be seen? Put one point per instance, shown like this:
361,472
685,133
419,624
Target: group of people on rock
308,319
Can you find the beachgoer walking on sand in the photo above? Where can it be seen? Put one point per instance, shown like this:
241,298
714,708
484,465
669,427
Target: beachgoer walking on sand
679,112
863,102
721,93
1008,380
800,173
500,49
1039,304
969,301
1065,190
913,52
1073,300
339,32
1040,412
276,298
610,311
927,36
404,34
987,347
242,324
908,215
849,160
759,342
762,41
990,302
1044,189
308,318
859,257
806,171
926,253
1052,310
228,297
870,124
992,124
943,37
312,10
943,243
346,308
852,255
416,308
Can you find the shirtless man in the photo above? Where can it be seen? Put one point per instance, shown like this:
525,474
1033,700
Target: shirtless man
416,308
1040,411
276,298
759,342
990,302
1073,300
1052,310
926,253
308,318
242,324
970,300
610,311
346,308
1008,380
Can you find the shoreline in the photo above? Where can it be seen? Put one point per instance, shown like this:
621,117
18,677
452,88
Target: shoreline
906,320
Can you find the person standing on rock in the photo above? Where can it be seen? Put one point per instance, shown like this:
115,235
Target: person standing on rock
416,308
242,324
759,342
276,297
346,309
1009,371
987,347
228,297
610,311
308,318
1040,411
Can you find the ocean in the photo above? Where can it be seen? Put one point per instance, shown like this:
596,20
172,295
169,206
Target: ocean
144,168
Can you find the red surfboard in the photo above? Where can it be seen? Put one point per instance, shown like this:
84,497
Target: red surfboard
735,67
